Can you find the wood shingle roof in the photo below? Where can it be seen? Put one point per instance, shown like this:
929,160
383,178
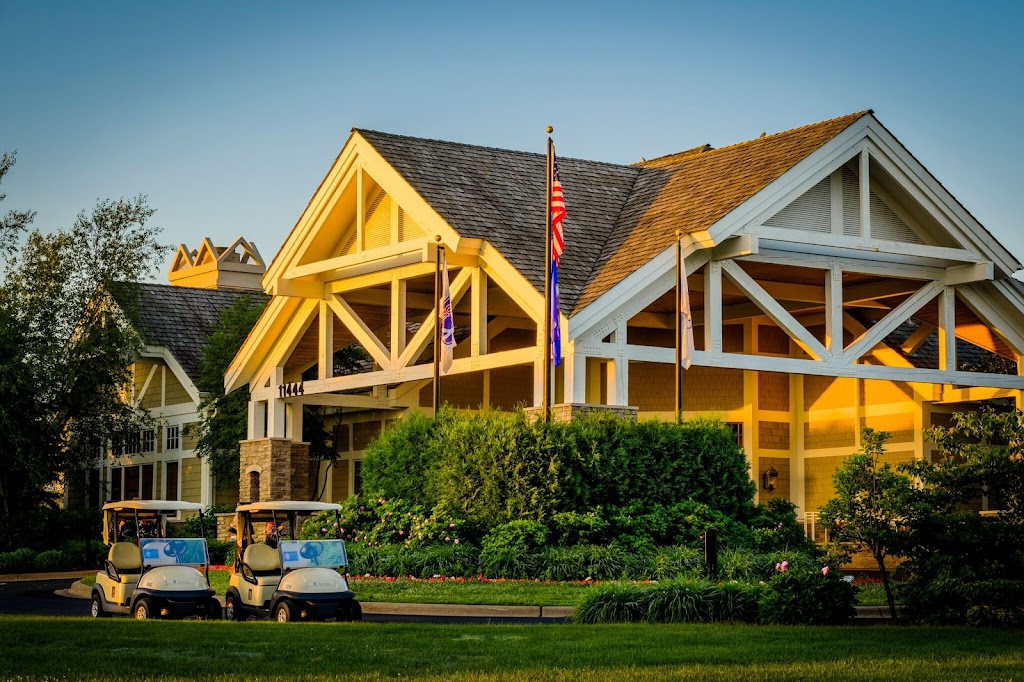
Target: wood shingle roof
618,216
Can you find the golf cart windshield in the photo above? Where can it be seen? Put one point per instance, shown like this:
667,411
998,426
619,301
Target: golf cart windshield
307,553
174,551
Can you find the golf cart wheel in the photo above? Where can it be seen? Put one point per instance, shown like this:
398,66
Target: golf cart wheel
349,610
213,609
96,610
144,609
231,610
286,611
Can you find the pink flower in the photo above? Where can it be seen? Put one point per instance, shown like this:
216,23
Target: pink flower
360,507
778,566
824,571
401,532
785,565
447,539
451,525
456,541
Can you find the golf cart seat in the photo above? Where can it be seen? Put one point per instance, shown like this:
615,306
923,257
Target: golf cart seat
265,563
126,561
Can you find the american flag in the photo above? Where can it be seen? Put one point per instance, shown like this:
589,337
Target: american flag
557,249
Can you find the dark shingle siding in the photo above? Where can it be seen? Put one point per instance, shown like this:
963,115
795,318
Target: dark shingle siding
181,319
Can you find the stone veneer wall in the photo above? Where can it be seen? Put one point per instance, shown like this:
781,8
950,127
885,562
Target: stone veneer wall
563,412
283,468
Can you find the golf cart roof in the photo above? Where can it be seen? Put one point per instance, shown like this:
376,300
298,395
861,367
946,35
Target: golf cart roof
287,506
153,506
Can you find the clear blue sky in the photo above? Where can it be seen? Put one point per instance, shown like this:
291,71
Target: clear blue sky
227,115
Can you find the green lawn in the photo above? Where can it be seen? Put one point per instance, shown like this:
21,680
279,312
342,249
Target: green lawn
122,649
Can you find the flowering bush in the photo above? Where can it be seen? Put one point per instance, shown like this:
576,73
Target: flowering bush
803,594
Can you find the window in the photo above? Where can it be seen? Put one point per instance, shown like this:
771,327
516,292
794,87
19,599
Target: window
131,443
358,476
131,483
115,484
173,438
171,480
148,440
147,482
737,428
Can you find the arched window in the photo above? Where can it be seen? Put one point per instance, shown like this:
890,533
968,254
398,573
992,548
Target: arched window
254,486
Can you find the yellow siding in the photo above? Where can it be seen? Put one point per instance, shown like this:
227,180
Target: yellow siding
818,488
176,393
152,397
364,433
773,391
771,339
510,386
830,433
901,426
378,223
773,435
191,477
708,389
826,393
782,486
874,392
339,481
189,434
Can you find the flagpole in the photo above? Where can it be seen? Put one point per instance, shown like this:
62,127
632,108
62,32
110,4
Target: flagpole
437,324
546,380
679,325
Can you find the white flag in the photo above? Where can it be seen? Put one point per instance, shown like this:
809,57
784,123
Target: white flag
686,317
447,320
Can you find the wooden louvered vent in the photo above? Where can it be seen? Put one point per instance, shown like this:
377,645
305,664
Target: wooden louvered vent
408,229
812,211
885,224
378,222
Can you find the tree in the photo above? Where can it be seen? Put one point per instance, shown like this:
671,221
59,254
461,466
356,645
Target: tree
224,417
874,506
67,340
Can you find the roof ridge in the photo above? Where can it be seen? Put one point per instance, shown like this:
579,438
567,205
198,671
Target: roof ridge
691,153
503,150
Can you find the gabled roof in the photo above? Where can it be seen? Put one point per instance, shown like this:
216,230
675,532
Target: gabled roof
628,214
498,195
181,318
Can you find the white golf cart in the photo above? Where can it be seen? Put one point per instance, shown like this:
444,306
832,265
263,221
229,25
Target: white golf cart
277,576
148,575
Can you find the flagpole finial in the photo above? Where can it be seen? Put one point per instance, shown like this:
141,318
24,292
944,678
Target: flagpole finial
679,234
437,237
550,130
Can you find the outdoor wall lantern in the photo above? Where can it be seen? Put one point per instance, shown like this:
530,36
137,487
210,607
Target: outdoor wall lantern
770,478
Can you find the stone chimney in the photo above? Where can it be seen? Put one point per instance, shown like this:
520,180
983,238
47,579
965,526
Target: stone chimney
239,266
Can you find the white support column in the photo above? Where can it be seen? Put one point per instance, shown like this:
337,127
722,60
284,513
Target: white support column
618,373
205,483
398,325
478,324
947,329
713,307
865,197
325,357
275,407
575,376
797,485
295,422
256,425
834,310
538,369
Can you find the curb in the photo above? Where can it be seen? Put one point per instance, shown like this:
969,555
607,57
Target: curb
23,577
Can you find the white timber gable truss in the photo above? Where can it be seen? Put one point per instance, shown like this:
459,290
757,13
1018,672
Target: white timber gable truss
854,241
359,268
856,231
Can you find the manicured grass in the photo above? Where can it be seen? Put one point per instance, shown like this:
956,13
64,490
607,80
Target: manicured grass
122,649
872,594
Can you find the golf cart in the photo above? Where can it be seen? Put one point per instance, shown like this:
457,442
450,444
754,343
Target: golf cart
283,578
148,575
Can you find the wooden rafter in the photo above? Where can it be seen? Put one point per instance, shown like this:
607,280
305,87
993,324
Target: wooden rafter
897,316
364,335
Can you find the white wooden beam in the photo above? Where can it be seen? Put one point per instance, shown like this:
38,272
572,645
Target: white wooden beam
965,274
1008,328
145,385
325,357
775,311
834,310
736,247
765,363
364,335
865,197
897,316
947,329
519,356
425,334
713,305
367,402
275,407
842,246
478,322
398,321
379,277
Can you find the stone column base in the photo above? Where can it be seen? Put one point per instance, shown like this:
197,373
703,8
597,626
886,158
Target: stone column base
273,469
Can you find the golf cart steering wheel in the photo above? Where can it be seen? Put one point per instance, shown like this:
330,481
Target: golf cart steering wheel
311,551
175,548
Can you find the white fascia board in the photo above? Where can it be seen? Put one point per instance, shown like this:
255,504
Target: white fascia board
240,371
164,354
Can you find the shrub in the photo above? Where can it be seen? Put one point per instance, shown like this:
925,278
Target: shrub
192,528
41,529
422,562
572,528
509,551
774,527
955,601
52,560
219,550
803,596
19,561
395,463
679,601
584,562
751,566
665,563
78,557
378,521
